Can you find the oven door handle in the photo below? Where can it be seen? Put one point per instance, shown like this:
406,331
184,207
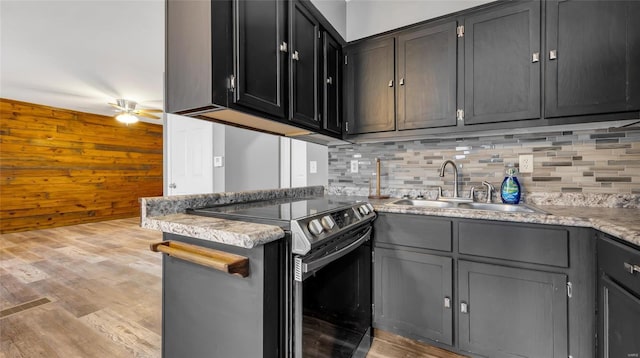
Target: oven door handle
306,267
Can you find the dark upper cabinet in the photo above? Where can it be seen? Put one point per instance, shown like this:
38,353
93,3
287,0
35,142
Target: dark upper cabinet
502,64
261,66
592,57
426,77
304,56
413,294
331,82
510,312
370,90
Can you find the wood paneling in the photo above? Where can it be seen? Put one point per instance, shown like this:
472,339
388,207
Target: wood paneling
60,167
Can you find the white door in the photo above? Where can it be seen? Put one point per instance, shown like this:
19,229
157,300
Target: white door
190,155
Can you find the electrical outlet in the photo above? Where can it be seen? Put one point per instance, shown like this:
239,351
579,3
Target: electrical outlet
217,162
354,166
313,167
526,163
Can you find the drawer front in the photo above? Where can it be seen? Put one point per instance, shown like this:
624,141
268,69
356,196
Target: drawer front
415,231
538,245
612,257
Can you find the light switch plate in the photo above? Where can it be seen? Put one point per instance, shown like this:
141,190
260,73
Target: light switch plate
217,162
313,167
354,166
526,163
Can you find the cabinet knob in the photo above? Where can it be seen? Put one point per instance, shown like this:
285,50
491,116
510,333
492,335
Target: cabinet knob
464,307
391,83
631,268
330,80
402,82
295,56
283,47
535,57
553,54
172,186
447,302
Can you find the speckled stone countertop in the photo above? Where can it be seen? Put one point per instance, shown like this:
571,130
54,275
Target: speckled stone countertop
167,214
623,223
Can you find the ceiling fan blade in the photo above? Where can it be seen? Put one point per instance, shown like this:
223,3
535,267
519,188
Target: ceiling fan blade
146,115
116,106
151,110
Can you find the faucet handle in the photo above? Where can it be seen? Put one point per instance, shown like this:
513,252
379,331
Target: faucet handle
472,193
490,189
439,192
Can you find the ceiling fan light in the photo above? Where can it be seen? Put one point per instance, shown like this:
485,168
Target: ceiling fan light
126,118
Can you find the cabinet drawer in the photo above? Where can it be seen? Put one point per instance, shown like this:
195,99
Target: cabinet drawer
536,245
612,257
414,230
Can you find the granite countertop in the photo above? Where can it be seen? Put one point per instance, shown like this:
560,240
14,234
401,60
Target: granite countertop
623,223
167,214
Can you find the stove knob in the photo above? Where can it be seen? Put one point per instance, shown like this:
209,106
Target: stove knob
328,223
370,207
363,210
315,227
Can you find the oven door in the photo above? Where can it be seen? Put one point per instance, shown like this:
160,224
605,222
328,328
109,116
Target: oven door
332,298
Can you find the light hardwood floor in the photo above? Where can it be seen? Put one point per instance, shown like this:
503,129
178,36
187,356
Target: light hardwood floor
94,290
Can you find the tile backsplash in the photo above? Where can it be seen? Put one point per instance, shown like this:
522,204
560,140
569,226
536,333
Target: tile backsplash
575,161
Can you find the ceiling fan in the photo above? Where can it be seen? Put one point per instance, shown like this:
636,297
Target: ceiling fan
129,114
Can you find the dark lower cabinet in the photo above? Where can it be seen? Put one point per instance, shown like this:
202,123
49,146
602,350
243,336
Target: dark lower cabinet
502,64
619,299
592,57
370,91
304,56
413,294
427,76
512,312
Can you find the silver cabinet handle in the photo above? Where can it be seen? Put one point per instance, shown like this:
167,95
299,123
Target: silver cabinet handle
295,56
173,186
535,57
631,268
391,83
330,80
283,47
447,302
553,54
402,82
464,308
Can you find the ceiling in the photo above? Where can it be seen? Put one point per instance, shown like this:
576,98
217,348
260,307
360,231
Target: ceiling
80,55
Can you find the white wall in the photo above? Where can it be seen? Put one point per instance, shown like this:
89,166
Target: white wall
336,13
252,160
370,17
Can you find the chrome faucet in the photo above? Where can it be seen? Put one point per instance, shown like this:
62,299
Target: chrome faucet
455,175
490,189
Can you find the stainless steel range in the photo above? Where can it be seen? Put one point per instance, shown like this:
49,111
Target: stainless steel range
328,274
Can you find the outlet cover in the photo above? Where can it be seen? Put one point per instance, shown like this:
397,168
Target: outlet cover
526,163
313,167
217,162
354,166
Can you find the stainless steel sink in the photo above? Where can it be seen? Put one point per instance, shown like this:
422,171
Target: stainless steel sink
520,208
425,203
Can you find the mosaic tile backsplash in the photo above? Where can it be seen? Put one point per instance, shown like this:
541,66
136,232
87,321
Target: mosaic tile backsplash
595,161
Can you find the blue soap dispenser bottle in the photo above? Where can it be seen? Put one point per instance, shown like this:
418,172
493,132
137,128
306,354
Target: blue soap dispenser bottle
510,190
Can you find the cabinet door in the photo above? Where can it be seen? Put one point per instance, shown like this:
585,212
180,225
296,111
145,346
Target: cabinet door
593,52
305,32
370,97
413,294
502,74
331,83
427,60
261,66
619,321
509,312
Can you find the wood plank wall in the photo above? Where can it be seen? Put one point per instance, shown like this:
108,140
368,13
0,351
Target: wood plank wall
60,167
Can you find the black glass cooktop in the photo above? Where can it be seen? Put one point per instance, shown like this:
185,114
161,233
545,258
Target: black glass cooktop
284,210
